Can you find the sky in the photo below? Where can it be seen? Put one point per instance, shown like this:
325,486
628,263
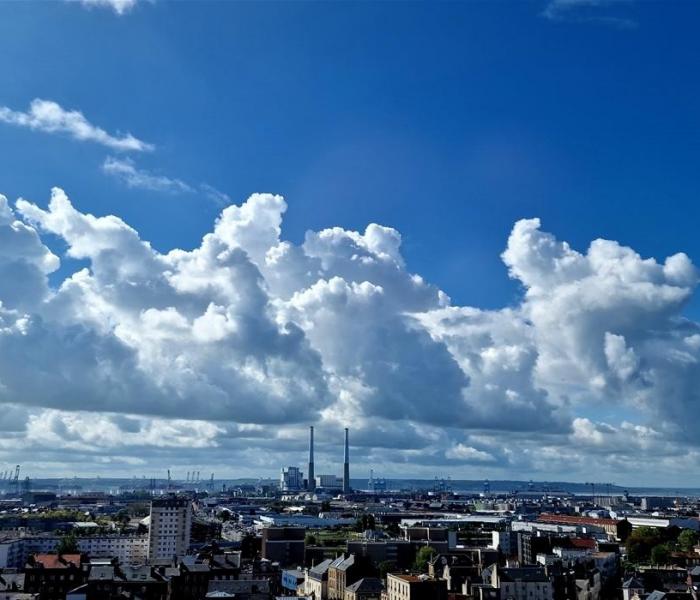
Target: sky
465,230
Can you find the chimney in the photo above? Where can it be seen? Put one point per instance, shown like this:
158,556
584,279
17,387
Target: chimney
311,485
346,465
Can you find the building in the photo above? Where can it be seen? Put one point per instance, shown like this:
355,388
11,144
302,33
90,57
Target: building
316,581
125,548
367,588
284,545
504,541
170,527
292,580
656,502
617,528
414,587
52,576
14,551
525,583
329,482
344,571
400,553
291,479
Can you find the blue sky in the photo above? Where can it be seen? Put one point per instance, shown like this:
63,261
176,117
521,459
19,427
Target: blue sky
446,121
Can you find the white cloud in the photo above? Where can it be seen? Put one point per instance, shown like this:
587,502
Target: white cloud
120,7
50,117
234,346
125,170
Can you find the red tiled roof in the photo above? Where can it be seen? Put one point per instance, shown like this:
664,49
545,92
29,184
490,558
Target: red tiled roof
583,543
57,561
575,520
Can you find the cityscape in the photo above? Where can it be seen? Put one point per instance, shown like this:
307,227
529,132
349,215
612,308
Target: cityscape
331,537
349,300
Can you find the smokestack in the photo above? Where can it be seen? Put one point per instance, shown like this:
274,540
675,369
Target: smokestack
346,465
311,485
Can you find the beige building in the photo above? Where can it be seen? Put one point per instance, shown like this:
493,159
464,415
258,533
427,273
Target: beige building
169,530
414,587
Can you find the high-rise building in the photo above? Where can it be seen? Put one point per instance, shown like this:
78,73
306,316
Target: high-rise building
169,532
291,479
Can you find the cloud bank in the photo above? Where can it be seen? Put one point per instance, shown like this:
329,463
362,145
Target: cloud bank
223,354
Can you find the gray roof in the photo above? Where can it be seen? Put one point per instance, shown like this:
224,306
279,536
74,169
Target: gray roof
368,584
523,574
634,583
656,595
320,569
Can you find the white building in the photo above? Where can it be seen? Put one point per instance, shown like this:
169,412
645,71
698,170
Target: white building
525,583
504,541
329,482
291,479
170,525
14,551
127,548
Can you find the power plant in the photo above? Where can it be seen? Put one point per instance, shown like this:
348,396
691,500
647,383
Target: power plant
292,479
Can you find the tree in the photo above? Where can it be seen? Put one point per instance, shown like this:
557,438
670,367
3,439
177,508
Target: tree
687,539
310,539
660,554
68,544
393,529
640,543
386,566
423,557
365,522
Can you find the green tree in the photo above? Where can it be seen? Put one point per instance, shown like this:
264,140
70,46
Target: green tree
365,522
687,539
660,554
386,566
640,543
310,539
393,529
68,544
423,557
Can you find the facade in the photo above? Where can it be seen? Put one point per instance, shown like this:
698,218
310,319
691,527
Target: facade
316,581
525,583
504,541
291,479
169,532
52,576
401,553
367,588
414,587
126,548
284,545
329,482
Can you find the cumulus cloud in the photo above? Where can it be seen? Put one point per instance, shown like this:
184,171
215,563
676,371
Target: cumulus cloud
51,117
233,347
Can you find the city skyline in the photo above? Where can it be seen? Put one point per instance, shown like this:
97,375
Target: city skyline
471,242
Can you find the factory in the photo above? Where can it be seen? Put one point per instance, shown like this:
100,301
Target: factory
292,478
